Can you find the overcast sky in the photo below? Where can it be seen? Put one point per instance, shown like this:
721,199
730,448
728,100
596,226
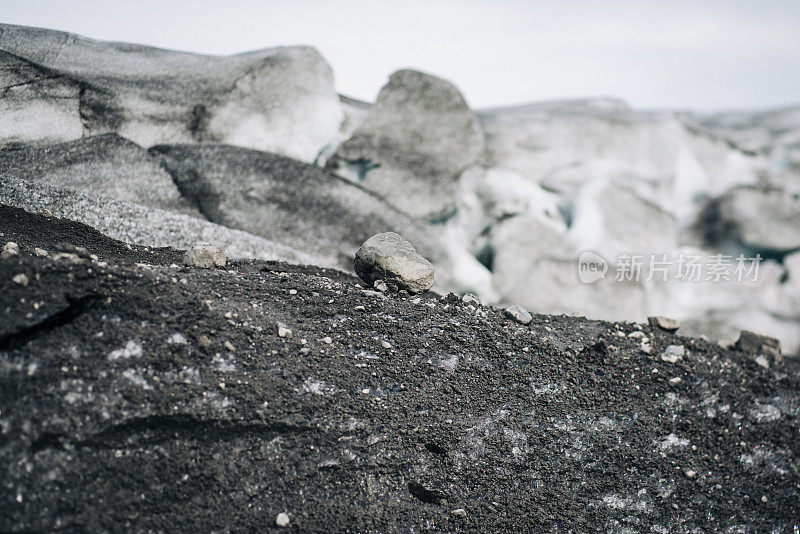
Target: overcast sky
698,54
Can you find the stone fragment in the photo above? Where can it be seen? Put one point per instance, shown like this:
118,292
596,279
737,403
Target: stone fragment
518,314
673,353
205,255
759,344
21,279
393,259
282,520
284,331
664,323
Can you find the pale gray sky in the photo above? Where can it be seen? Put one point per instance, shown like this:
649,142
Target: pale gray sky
698,54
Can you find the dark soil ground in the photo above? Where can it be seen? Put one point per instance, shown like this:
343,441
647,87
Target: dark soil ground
138,395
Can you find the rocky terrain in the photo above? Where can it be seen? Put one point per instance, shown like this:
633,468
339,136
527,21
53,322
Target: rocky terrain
503,201
140,392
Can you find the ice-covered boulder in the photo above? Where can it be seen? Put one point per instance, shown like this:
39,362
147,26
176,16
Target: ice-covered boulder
143,225
609,216
755,218
417,139
280,99
37,105
286,200
106,164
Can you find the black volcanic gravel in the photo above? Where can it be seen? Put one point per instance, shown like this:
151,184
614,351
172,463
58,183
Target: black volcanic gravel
124,409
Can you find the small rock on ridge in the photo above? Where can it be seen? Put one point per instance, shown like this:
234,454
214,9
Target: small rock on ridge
10,249
205,255
518,313
759,344
664,323
392,258
284,331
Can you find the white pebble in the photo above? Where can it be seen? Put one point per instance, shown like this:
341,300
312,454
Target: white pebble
282,520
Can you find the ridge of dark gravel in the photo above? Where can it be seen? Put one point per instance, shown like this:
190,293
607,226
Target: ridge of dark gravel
140,395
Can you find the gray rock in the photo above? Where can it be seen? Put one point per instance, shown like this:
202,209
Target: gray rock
282,520
664,323
10,249
673,353
285,200
518,314
283,330
392,258
415,142
105,164
205,255
64,86
759,344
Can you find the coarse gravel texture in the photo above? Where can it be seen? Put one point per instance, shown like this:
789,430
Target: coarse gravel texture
114,416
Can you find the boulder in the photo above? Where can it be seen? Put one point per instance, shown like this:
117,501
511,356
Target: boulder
392,258
417,139
107,164
279,99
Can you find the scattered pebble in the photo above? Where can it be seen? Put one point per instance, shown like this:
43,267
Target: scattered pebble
471,298
45,212
762,361
518,314
39,252
647,348
327,340
359,308
673,353
460,512
675,380
386,344
204,341
380,285
690,473
637,334
10,249
229,346
664,323
176,339
282,520
205,255
284,331
21,279
293,292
